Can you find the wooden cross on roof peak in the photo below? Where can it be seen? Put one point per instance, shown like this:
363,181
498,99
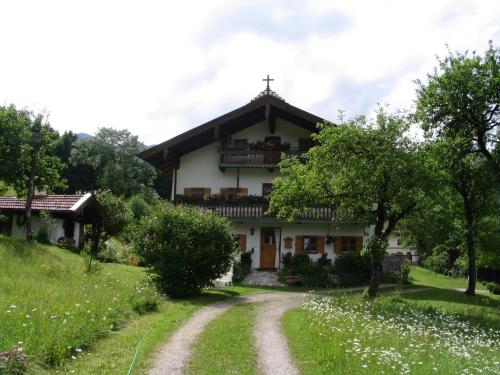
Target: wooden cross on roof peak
268,89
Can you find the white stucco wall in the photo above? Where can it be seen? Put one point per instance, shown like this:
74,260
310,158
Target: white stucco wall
292,230
200,168
56,232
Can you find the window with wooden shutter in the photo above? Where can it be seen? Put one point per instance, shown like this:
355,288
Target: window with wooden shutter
242,242
337,245
197,192
359,243
299,244
348,243
321,244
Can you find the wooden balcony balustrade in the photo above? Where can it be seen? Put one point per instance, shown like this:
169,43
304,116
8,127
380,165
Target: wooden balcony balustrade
254,158
254,211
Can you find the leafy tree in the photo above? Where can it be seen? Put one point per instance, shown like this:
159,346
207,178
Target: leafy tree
368,170
29,164
468,175
459,107
14,129
78,177
461,98
184,249
112,156
117,211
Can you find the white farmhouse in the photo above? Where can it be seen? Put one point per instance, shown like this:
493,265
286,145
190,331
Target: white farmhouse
227,165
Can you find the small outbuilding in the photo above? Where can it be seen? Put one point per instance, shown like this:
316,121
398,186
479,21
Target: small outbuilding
68,215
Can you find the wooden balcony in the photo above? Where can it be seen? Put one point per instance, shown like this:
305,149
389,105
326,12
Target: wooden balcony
254,158
243,212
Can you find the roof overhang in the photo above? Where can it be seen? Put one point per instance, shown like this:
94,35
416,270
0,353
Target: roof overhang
166,155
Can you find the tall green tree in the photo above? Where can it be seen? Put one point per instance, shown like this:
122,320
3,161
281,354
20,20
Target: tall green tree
112,156
461,99
459,108
79,177
469,175
14,131
368,170
29,162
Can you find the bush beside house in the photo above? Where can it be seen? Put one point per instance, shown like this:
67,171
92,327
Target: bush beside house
184,249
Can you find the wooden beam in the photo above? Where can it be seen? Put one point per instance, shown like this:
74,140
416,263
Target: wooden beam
270,118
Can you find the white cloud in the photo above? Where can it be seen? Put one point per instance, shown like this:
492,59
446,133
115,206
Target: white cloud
158,68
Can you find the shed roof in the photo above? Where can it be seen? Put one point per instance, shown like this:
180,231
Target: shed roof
51,203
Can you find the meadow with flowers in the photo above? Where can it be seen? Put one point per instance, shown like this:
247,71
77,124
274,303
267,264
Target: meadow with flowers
51,310
348,334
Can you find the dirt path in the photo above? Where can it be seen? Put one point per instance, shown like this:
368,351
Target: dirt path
173,357
273,355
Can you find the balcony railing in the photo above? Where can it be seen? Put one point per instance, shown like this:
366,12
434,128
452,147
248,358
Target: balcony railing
256,211
254,158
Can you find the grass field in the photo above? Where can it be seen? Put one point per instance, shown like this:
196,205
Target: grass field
68,321
437,331
225,347
422,277
52,309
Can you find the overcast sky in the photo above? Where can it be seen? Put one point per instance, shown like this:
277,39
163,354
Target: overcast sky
159,68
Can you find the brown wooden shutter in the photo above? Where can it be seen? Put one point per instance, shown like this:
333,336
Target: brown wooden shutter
359,243
242,241
337,245
188,192
243,191
321,244
299,244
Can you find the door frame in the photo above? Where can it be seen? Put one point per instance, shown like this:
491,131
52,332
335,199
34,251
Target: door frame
275,246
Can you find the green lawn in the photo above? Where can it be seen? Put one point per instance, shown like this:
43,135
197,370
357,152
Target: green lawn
395,335
422,277
225,347
55,311
437,331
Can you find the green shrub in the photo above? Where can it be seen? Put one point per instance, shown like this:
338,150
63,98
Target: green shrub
117,211
312,274
44,229
404,276
438,261
243,267
493,287
145,300
390,277
184,249
352,269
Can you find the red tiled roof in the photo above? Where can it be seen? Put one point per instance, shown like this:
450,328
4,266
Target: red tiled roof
54,203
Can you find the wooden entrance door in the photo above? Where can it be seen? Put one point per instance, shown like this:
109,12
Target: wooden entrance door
267,248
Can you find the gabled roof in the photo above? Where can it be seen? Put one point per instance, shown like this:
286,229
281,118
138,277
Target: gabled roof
51,203
266,106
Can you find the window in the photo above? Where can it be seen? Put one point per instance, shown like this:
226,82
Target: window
311,244
266,190
197,192
272,141
232,193
348,243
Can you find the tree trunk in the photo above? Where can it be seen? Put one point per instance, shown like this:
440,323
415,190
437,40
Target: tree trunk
31,185
471,252
375,280
96,234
